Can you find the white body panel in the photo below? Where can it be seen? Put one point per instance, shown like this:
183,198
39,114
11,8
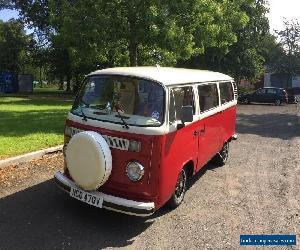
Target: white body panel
166,76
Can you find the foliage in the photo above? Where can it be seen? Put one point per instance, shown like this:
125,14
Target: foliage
84,35
13,46
245,57
6,4
286,54
147,32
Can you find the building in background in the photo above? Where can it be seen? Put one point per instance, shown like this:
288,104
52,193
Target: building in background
11,82
25,82
281,81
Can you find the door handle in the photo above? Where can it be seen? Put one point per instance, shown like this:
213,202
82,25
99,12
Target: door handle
202,131
199,132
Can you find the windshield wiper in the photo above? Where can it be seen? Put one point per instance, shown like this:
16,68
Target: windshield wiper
84,117
124,123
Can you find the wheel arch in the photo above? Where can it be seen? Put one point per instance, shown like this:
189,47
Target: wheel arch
189,166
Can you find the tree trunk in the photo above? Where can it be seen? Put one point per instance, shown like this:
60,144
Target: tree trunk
76,85
133,45
41,81
61,83
290,80
133,53
68,83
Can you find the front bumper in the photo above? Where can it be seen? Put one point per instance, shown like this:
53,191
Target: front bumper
110,202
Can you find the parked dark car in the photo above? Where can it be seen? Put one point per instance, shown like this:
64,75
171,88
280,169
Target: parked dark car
265,95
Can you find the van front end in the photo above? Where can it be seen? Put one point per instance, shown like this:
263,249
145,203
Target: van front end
135,194
112,152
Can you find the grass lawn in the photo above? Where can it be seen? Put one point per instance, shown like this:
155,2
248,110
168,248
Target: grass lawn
29,123
52,89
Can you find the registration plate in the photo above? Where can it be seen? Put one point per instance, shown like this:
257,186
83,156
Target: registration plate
86,197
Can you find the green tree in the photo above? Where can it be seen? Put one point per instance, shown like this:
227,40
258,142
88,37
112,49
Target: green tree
13,46
45,17
6,4
142,32
86,34
286,57
245,57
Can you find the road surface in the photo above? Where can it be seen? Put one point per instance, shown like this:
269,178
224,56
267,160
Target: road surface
257,192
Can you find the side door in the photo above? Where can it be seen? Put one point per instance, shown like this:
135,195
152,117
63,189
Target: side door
259,96
181,143
209,123
270,95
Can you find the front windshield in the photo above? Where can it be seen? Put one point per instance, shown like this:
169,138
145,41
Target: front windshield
139,102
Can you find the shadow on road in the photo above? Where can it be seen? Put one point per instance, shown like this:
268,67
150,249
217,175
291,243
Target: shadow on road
282,126
44,217
210,166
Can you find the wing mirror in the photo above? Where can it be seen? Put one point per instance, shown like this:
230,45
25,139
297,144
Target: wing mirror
187,113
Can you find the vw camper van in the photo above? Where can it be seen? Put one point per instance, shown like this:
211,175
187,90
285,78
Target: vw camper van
135,135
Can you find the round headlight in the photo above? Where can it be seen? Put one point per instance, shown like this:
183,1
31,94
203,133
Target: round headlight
135,171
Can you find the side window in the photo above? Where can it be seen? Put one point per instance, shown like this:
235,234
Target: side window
226,92
260,92
180,96
208,97
271,91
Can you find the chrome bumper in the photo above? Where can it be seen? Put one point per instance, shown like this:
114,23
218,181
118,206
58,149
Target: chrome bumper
110,202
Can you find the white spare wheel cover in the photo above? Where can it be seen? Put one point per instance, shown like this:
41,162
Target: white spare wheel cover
89,160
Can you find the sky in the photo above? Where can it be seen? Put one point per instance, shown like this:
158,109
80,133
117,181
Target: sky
7,14
279,9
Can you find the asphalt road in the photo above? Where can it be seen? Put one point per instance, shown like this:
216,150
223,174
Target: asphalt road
257,192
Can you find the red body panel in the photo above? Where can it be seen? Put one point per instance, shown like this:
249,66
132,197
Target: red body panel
118,183
228,123
198,142
164,156
178,148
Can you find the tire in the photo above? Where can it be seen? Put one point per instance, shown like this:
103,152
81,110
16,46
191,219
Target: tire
180,189
246,101
222,156
277,102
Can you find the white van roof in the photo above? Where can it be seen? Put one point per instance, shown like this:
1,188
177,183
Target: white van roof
165,75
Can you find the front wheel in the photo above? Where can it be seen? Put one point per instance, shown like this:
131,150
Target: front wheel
222,157
277,102
246,101
180,189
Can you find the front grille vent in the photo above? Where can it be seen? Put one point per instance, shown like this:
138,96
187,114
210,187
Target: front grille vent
113,142
116,142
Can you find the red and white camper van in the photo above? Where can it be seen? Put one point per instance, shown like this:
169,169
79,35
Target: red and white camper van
135,135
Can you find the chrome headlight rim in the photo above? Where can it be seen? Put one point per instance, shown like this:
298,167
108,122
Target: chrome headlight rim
64,149
140,168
